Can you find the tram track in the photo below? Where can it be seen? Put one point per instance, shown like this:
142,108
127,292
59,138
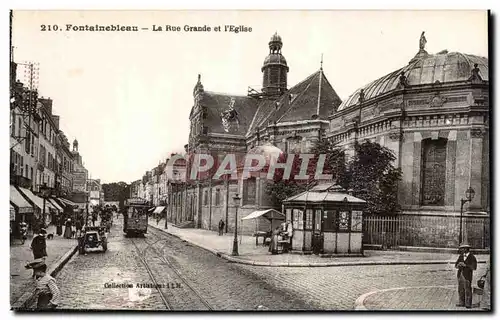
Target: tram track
183,296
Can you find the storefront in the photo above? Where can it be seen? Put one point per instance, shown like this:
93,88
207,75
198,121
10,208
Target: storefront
55,214
325,220
23,210
42,208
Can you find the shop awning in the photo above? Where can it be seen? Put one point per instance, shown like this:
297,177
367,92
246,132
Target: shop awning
270,214
159,209
18,200
37,201
67,202
150,210
56,205
12,213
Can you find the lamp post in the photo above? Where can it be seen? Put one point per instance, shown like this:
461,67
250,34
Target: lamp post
236,199
469,194
45,191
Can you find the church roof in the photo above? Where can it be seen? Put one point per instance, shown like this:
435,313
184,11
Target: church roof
217,103
298,103
424,69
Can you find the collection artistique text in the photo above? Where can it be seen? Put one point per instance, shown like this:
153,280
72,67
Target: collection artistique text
170,285
167,28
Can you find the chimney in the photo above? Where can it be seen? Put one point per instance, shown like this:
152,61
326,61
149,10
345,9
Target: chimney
56,120
47,103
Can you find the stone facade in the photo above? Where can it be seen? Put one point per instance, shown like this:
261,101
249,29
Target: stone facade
274,120
433,114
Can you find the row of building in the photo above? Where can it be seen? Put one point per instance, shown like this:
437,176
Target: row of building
43,166
433,113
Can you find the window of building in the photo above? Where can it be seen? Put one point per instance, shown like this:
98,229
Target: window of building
288,215
433,172
19,126
330,220
31,175
205,198
317,220
32,151
357,221
26,170
309,219
343,221
249,191
28,142
13,123
217,197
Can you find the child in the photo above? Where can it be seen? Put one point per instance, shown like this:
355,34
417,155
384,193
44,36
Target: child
46,288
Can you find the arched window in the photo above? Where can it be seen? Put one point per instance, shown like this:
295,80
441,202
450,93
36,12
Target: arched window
217,197
249,191
205,198
433,172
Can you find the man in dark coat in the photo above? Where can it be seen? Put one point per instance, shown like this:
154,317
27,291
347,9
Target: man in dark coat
221,227
466,264
39,246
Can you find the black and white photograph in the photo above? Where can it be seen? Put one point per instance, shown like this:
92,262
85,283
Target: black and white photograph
250,160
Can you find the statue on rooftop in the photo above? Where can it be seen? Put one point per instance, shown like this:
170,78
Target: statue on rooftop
423,41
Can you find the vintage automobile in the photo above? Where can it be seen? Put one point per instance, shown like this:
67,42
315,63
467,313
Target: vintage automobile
93,238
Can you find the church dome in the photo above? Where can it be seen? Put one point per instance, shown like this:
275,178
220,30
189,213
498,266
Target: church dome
275,38
268,150
275,58
424,69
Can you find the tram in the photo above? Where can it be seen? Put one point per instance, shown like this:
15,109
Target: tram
135,215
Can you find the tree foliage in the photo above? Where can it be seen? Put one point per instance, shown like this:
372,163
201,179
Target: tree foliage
334,164
116,191
372,177
370,174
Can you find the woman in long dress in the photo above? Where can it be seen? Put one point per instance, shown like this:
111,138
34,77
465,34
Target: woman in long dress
67,229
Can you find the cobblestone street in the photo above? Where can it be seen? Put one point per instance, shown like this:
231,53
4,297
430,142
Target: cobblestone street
223,285
195,279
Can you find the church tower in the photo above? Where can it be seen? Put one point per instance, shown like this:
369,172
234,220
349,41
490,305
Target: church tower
274,69
75,145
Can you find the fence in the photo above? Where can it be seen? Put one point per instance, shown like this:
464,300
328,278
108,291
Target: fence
426,231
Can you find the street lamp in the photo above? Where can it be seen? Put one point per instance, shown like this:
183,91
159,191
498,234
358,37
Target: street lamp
469,194
236,199
45,191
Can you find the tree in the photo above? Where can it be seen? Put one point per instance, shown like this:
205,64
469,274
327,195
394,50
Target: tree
372,177
334,164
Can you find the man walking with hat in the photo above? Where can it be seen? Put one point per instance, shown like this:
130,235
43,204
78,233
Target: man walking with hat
466,264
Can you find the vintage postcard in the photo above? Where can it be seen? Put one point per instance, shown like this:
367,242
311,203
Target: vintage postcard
250,160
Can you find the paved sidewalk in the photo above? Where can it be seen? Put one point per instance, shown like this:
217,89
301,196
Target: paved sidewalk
20,278
415,298
251,254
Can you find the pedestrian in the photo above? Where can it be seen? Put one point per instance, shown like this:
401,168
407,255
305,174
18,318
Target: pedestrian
67,229
221,227
485,303
59,220
273,246
94,219
78,226
47,292
466,264
39,246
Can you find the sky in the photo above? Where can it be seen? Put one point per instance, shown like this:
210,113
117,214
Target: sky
126,96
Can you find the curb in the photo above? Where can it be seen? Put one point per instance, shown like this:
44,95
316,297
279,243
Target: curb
359,304
308,264
28,298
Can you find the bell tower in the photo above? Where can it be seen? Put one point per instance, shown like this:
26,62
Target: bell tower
275,69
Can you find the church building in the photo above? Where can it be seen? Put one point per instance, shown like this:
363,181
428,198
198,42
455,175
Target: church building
433,113
276,119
